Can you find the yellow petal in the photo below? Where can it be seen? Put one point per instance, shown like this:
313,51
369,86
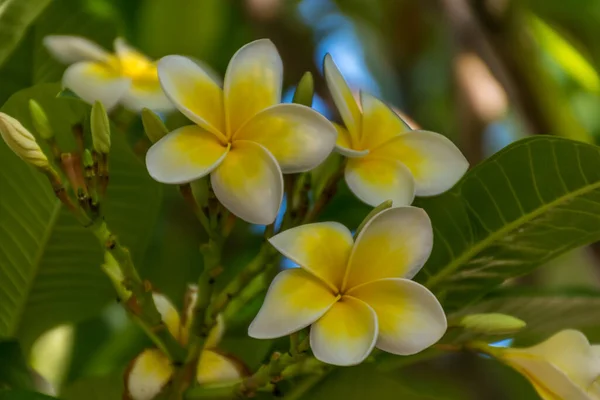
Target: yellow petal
193,92
346,334
169,314
71,49
435,162
252,82
146,95
214,367
410,317
184,155
249,183
343,99
294,300
375,180
298,137
379,122
216,333
343,144
149,373
94,81
322,249
393,244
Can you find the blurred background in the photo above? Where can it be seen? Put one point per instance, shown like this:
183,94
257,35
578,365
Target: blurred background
483,72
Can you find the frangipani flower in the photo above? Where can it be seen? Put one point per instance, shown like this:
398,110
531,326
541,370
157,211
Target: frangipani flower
357,295
127,76
388,160
564,367
243,138
152,370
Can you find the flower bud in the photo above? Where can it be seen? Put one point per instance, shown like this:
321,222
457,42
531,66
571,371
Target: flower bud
153,126
100,128
40,120
22,142
88,160
493,323
305,90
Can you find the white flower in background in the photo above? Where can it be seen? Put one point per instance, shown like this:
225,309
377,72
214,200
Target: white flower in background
126,77
355,296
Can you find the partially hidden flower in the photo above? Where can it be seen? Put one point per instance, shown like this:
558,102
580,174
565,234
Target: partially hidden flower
151,371
124,77
355,296
242,137
386,158
22,142
563,367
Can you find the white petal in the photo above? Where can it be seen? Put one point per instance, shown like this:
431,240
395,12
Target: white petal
295,300
184,155
168,313
96,82
346,334
215,367
71,49
138,98
149,373
249,183
298,137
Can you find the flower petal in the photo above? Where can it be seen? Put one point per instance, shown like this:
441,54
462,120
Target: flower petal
343,99
169,314
252,82
186,154
298,137
346,334
71,49
322,249
393,244
343,144
146,95
193,92
249,183
214,367
295,300
375,180
410,317
379,122
94,81
149,374
435,162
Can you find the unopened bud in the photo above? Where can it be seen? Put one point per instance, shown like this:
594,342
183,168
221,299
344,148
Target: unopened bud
493,323
22,142
305,90
153,126
40,120
88,160
100,128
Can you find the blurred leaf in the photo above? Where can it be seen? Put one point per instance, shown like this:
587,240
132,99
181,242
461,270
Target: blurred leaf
95,388
527,204
49,264
15,18
24,395
14,372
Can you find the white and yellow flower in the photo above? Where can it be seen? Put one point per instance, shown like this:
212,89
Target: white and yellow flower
355,296
387,160
564,367
152,370
127,77
242,137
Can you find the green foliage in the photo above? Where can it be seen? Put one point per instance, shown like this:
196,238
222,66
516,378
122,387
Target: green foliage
14,372
523,206
24,395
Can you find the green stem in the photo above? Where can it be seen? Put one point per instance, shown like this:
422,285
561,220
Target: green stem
326,194
188,196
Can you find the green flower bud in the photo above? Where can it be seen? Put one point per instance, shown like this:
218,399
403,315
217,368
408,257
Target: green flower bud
495,324
88,160
153,126
40,120
100,128
305,90
22,142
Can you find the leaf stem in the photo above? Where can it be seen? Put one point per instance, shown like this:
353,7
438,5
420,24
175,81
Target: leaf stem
326,194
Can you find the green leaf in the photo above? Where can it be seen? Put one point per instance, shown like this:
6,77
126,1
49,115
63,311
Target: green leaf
24,395
49,264
15,18
14,372
544,312
527,204
95,388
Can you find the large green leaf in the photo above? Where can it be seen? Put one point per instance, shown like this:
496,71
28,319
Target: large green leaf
525,205
49,264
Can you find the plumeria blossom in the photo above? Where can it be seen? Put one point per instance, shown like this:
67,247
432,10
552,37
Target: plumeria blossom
387,160
564,367
355,296
152,370
242,137
127,76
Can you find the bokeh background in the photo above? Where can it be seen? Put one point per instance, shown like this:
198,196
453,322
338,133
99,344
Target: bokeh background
484,73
